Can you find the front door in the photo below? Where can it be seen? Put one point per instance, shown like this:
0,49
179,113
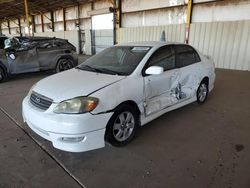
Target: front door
160,90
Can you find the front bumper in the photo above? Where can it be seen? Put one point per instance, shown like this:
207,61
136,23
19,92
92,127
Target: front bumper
74,133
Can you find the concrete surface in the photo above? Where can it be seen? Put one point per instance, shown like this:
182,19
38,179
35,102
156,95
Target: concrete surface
195,146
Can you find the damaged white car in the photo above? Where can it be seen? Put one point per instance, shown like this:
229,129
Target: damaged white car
114,92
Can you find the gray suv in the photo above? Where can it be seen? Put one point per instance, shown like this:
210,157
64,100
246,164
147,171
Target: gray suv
31,54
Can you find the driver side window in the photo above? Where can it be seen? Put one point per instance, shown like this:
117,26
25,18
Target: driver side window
163,57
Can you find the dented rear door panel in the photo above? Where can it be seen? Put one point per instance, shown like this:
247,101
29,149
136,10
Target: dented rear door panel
190,77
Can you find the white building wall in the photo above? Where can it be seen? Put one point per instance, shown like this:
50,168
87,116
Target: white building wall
222,11
175,15
141,5
164,12
85,18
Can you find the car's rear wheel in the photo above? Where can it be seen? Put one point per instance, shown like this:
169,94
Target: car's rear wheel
2,75
64,64
202,92
122,126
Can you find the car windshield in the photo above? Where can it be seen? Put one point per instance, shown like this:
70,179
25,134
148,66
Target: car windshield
118,60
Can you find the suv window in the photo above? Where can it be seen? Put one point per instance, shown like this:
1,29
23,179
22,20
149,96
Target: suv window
45,44
185,55
2,39
163,57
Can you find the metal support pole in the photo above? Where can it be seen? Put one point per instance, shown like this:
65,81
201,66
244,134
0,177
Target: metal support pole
20,28
8,22
64,20
117,20
27,15
1,28
189,19
42,22
33,25
92,33
52,21
79,29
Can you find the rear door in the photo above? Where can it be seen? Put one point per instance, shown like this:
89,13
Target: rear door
188,62
22,59
160,89
47,52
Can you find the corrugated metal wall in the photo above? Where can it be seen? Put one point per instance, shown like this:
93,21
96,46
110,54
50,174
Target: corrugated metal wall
228,43
174,33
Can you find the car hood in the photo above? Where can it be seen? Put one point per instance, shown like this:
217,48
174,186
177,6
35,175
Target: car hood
73,83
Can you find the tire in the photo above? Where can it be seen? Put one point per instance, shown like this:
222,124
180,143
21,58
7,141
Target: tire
2,75
63,64
119,132
202,92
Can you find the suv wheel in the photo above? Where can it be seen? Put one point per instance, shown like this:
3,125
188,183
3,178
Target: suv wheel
63,65
2,75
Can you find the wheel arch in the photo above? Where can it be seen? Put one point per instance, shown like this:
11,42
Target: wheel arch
130,103
206,80
65,57
127,102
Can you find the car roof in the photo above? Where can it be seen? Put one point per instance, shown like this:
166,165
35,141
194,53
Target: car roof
35,38
148,43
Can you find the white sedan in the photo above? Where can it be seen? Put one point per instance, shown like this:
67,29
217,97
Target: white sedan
110,95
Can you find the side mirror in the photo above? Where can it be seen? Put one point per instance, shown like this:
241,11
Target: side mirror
154,70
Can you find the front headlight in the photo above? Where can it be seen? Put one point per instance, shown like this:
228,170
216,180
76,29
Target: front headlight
77,105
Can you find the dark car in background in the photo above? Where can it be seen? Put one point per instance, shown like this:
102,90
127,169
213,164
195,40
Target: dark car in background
32,54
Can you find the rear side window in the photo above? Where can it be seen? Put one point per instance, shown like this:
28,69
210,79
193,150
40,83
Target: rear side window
163,57
2,39
185,55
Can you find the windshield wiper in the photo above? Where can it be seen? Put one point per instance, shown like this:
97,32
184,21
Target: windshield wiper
100,70
104,70
90,68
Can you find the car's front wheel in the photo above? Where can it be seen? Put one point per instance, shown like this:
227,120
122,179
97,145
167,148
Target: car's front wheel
122,126
202,92
2,75
63,65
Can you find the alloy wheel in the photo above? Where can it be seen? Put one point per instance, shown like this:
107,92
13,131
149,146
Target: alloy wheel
64,65
123,126
202,92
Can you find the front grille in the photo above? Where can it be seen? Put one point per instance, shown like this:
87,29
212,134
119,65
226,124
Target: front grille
40,101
